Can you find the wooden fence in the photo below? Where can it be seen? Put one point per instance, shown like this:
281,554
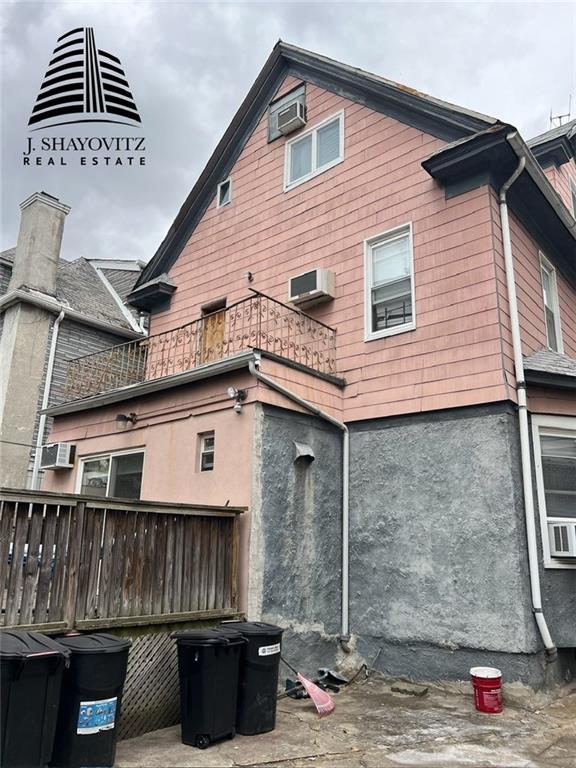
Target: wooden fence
82,562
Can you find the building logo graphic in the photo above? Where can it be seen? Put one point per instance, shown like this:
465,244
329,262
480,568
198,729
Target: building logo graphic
83,84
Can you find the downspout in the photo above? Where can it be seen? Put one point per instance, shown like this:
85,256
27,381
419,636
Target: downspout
526,459
45,399
344,618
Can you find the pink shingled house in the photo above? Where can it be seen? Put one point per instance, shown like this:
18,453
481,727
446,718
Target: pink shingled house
363,329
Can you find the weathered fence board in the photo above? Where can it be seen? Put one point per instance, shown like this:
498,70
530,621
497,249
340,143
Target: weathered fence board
101,562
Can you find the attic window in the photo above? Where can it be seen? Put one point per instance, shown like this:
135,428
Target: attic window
224,192
297,94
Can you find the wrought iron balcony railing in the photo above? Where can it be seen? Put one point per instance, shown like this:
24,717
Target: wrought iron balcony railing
258,322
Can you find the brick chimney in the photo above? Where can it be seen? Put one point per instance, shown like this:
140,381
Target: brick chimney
38,247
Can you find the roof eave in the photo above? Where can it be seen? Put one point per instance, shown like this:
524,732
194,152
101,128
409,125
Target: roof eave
442,119
490,157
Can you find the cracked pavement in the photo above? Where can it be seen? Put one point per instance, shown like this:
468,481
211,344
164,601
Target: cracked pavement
373,727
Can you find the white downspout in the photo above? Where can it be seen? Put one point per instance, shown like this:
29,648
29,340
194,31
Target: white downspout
344,619
45,400
526,459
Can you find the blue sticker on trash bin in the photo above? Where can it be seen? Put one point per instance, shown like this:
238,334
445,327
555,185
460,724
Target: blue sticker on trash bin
95,716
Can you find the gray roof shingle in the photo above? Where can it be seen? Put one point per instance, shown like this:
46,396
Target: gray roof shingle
547,361
79,286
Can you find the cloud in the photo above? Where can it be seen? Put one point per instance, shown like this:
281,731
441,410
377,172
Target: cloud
191,64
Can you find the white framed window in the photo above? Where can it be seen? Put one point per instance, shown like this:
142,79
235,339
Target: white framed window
117,474
314,151
206,448
224,193
573,195
551,306
389,283
554,439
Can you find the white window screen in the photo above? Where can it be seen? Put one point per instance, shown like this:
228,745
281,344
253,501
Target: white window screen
301,158
559,473
328,143
391,288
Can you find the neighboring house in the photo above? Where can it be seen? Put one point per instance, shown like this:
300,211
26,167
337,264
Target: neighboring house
432,383
51,311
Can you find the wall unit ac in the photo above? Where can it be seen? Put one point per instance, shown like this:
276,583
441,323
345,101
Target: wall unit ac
312,287
292,118
562,538
57,456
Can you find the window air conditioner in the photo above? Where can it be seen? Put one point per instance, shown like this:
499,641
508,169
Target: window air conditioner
312,287
57,456
291,118
562,539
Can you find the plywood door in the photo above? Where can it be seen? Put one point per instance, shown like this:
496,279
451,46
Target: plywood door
213,336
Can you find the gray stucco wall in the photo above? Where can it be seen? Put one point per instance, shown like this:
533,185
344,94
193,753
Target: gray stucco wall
438,561
299,528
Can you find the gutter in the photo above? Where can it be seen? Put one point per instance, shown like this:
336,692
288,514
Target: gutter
525,456
53,305
522,150
229,364
45,400
253,366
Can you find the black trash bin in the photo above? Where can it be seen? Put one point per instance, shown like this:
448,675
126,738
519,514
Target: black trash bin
31,675
258,675
90,701
208,665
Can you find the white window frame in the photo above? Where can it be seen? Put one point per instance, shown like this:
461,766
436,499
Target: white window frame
369,243
222,183
556,426
572,186
551,270
201,438
288,185
104,455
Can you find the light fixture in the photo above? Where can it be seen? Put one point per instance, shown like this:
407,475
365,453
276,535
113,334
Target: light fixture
124,419
236,394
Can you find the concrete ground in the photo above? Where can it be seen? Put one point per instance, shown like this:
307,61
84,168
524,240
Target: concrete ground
374,727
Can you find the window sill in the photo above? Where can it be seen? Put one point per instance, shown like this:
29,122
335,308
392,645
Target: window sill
304,179
390,331
553,564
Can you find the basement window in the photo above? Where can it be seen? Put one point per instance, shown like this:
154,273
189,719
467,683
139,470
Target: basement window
115,474
389,283
206,462
224,193
554,440
315,151
551,306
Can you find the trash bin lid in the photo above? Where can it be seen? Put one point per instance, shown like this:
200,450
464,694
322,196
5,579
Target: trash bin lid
252,628
216,636
17,644
97,643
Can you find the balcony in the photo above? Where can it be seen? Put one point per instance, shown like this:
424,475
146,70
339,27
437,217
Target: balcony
257,322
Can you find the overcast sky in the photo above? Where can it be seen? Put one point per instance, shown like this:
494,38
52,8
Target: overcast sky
190,65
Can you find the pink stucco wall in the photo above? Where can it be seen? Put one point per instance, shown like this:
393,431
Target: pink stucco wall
167,428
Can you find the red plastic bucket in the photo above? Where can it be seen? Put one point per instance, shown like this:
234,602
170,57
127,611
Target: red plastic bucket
487,684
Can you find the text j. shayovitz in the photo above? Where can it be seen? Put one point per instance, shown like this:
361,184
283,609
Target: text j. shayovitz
88,150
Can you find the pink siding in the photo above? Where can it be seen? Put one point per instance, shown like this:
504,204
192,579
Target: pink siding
561,178
454,355
529,292
556,402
